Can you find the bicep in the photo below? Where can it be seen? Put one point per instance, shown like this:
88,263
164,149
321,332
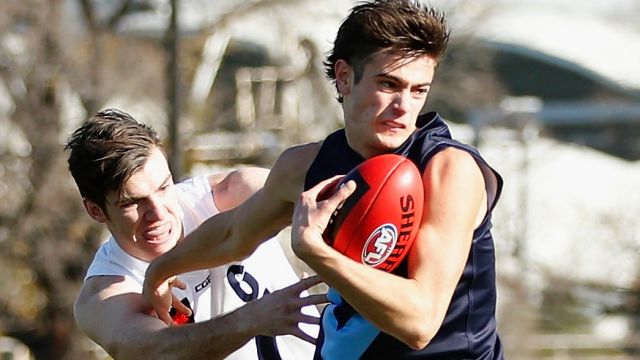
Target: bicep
262,216
454,190
237,186
269,210
109,310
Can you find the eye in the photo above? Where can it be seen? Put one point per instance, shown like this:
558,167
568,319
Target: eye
421,91
128,204
164,188
387,84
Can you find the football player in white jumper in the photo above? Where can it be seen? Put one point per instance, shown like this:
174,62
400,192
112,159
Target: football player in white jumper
253,309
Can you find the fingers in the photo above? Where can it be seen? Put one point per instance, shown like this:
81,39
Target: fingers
178,283
161,299
179,306
305,284
327,195
343,192
315,299
308,319
324,189
304,336
165,317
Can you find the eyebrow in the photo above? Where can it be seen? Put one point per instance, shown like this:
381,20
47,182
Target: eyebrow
397,79
166,180
136,198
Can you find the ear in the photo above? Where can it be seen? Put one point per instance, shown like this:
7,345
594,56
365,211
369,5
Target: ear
94,211
344,76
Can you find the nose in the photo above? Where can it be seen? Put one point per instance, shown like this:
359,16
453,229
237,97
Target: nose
155,209
401,102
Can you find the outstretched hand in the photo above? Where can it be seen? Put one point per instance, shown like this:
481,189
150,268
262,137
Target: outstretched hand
160,300
312,213
280,312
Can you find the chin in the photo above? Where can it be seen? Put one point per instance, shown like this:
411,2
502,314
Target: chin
169,244
161,249
161,246
390,143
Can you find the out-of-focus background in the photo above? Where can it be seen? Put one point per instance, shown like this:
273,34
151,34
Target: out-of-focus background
548,90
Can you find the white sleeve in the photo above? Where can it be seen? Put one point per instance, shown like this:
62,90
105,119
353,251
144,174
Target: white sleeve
196,193
196,201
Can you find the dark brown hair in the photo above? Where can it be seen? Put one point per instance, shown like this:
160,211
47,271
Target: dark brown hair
106,150
404,27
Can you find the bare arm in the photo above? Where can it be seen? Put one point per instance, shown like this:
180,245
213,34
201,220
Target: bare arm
411,309
110,312
233,234
233,188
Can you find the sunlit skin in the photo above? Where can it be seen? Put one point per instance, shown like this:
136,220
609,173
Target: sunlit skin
147,223
383,105
380,112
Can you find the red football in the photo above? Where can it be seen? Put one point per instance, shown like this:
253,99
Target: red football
377,224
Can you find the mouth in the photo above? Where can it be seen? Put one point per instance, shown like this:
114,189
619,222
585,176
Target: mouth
393,125
158,233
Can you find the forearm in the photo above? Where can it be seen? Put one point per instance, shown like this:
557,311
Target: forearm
213,339
206,247
395,305
398,306
225,237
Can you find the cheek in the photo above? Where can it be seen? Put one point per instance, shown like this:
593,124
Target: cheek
374,105
132,222
125,226
172,203
174,211
417,106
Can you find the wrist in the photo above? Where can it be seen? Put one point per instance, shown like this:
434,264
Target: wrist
316,253
153,276
247,320
306,245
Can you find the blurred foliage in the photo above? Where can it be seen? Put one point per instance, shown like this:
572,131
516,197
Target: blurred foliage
55,71
46,238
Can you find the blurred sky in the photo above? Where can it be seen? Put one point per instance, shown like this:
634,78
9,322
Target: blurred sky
601,36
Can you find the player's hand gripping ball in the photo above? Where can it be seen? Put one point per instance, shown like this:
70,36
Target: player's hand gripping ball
378,223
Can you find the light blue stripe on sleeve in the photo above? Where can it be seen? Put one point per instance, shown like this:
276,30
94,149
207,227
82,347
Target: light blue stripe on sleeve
350,341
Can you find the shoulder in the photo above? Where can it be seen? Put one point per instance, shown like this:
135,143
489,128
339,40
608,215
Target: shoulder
289,171
297,158
231,188
245,179
455,162
105,286
111,312
453,173
99,295
298,154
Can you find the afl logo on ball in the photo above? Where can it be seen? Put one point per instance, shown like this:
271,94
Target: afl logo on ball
379,245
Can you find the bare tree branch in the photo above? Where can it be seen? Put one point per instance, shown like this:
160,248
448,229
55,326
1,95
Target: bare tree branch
122,11
245,8
89,14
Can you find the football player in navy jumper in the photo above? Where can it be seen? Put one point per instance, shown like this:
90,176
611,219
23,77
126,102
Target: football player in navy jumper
440,302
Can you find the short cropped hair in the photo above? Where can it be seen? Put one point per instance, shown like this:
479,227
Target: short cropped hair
106,150
404,27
